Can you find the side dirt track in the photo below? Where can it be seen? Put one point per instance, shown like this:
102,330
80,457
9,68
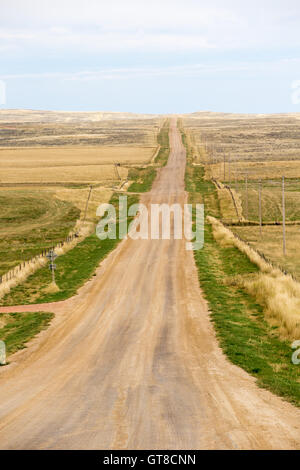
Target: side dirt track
132,362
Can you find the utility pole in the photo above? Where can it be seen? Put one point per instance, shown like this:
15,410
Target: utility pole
260,214
247,204
229,169
224,166
51,256
117,171
283,217
87,203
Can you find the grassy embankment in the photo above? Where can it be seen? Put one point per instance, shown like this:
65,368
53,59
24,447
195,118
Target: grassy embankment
143,177
73,269
244,334
16,329
31,222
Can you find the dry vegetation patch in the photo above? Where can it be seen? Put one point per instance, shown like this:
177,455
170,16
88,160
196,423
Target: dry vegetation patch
271,244
258,170
277,292
247,137
78,197
64,174
72,156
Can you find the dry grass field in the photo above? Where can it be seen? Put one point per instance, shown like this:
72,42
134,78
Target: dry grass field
53,147
256,170
271,196
279,294
73,156
72,151
270,243
38,116
247,201
31,221
34,129
263,147
247,137
68,174
78,198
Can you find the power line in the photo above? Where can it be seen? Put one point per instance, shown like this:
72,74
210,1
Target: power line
283,218
260,212
87,203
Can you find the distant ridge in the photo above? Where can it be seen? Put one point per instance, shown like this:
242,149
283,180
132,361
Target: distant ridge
43,116
27,115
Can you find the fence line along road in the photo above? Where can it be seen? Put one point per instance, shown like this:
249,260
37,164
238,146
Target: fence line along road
12,273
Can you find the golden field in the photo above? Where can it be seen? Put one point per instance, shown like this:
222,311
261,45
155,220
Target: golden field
67,165
265,170
78,198
52,147
270,243
56,157
64,174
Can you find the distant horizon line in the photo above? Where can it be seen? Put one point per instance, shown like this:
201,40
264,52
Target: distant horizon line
145,113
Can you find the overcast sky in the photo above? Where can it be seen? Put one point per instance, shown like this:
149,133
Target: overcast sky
151,56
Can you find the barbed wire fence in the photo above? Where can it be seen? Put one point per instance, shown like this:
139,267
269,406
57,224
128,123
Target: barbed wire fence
16,270
239,182
12,273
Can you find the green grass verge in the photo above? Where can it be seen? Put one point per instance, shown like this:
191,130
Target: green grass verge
244,335
143,179
19,328
163,141
73,269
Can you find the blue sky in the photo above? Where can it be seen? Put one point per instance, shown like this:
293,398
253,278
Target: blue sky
163,56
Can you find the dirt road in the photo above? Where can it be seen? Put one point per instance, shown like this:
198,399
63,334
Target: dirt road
132,361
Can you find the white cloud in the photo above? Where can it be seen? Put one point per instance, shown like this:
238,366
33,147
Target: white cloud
15,34
105,41
159,25
116,14
121,73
